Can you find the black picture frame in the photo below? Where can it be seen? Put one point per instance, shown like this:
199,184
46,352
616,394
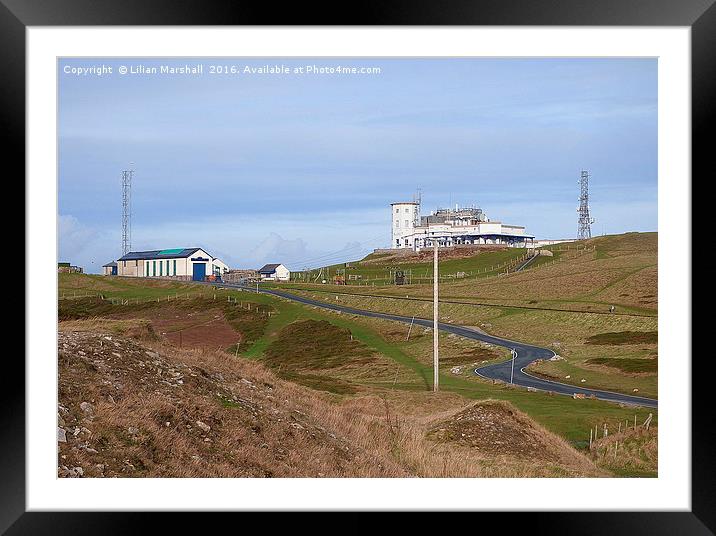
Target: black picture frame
17,15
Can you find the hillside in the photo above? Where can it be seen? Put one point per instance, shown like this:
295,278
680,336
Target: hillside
562,303
618,270
135,406
335,366
465,263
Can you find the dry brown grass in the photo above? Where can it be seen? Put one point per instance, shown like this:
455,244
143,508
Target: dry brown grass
259,425
630,451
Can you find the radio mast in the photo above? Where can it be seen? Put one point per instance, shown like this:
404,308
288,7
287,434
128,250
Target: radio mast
585,221
127,209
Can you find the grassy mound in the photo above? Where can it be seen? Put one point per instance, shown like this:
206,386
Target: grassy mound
303,347
315,345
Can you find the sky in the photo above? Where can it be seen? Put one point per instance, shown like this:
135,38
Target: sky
301,167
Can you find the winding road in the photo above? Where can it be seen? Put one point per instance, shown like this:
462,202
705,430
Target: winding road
526,353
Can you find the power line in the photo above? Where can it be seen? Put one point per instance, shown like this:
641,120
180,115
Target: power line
351,250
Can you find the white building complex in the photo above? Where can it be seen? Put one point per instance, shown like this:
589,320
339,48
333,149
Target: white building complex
180,263
450,227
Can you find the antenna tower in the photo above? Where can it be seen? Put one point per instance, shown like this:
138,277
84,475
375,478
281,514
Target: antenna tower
127,210
585,221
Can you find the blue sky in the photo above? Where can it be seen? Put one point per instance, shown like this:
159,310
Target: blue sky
301,168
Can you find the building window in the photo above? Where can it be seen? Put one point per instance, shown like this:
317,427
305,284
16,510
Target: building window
154,267
146,274
407,223
175,267
406,210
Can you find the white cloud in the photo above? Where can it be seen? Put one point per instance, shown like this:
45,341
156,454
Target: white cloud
84,246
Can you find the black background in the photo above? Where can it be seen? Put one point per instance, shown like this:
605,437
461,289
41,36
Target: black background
16,15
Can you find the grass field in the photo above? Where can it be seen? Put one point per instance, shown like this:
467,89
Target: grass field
375,269
619,270
387,361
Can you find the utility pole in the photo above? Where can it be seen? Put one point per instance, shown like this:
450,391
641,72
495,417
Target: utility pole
435,316
512,372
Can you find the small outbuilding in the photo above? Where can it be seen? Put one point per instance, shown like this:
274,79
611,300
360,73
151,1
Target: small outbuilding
110,268
274,272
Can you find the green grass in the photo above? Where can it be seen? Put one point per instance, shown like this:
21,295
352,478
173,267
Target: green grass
624,337
626,364
250,323
124,287
375,268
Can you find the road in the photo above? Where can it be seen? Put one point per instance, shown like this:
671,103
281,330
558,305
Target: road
526,353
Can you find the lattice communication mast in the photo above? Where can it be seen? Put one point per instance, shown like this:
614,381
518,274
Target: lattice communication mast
127,210
585,221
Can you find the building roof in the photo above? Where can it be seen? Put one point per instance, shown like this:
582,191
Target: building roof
158,254
268,268
109,264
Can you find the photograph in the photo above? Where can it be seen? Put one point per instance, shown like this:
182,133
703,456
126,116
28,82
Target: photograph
358,267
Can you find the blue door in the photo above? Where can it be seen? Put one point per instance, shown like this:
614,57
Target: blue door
114,270
199,271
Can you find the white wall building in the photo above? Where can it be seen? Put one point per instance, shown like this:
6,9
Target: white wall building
450,227
181,263
274,272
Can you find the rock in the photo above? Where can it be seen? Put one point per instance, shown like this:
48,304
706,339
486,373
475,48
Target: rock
61,435
203,427
582,380
635,391
60,420
568,376
87,408
133,430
